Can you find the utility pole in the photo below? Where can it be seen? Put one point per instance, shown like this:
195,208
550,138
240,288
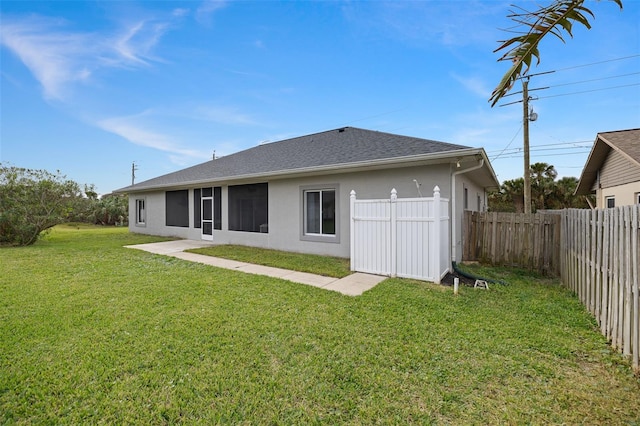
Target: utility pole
525,130
527,115
133,172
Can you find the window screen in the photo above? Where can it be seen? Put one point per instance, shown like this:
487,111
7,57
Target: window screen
248,208
177,208
197,200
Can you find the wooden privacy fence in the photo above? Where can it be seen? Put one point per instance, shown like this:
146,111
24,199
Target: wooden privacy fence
600,260
595,252
530,241
406,237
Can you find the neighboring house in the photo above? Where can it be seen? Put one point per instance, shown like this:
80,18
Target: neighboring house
293,195
612,171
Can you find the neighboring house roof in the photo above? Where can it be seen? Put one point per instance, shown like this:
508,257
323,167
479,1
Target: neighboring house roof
329,151
624,142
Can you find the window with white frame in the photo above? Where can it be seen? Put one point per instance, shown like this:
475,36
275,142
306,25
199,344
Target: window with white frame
141,212
320,214
637,197
610,202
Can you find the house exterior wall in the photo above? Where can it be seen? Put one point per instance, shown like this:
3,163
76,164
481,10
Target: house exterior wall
286,207
619,178
618,170
476,200
624,195
155,216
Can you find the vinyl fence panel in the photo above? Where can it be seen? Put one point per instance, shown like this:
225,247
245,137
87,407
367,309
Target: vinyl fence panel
404,237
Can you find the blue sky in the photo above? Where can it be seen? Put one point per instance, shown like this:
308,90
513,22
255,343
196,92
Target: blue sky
87,88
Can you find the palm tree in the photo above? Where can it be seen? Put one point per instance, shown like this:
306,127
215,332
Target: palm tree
563,197
513,192
543,176
520,50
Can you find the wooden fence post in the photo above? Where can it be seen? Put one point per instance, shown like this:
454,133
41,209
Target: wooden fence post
626,317
606,280
635,256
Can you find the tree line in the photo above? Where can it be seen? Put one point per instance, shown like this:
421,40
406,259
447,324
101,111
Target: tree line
547,193
34,201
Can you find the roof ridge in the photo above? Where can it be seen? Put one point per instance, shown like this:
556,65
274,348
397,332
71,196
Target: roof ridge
620,131
329,149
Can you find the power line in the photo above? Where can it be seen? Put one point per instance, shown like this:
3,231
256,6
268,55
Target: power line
553,146
595,79
520,152
547,145
597,63
544,155
575,148
589,91
574,67
558,143
509,144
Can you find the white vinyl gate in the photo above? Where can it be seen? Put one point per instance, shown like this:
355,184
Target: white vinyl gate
404,237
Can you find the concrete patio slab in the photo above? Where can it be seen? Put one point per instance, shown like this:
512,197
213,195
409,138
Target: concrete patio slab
250,268
209,260
169,247
355,284
352,285
310,279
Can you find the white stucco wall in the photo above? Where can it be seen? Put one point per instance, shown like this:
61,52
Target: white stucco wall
624,195
285,207
155,216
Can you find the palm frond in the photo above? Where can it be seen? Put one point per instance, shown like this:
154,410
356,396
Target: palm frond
557,19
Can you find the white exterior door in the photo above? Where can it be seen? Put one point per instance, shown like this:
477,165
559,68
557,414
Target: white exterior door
207,214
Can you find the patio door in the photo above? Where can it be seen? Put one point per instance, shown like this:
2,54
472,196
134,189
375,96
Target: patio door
207,214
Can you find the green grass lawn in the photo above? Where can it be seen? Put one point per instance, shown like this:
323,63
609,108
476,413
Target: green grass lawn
321,265
91,332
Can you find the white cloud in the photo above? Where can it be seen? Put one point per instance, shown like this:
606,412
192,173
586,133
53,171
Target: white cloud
446,23
475,85
223,115
180,12
133,44
206,10
126,48
485,127
58,57
53,57
139,135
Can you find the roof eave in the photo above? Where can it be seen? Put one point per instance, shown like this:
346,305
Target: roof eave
344,167
591,167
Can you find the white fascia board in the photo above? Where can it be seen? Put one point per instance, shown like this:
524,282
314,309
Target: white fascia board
323,170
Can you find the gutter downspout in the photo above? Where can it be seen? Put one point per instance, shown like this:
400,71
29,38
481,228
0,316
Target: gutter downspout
453,206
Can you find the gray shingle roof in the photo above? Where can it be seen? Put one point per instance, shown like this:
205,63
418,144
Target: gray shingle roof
626,142
328,149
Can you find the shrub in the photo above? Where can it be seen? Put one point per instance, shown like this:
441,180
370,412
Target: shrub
33,201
